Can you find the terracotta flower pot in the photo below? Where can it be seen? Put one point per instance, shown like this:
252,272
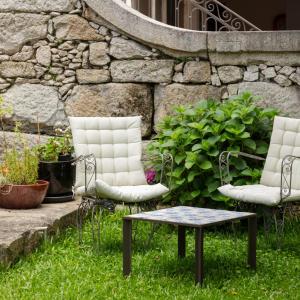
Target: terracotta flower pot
25,196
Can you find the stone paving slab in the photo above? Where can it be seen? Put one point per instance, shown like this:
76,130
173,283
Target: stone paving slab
22,230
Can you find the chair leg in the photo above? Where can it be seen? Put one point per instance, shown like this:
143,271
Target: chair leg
279,223
82,212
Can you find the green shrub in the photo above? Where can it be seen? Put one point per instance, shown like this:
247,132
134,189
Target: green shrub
196,135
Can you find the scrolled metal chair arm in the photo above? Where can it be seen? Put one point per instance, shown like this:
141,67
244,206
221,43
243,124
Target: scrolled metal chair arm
90,167
224,162
286,176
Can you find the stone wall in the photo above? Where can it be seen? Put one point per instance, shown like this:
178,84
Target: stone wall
59,59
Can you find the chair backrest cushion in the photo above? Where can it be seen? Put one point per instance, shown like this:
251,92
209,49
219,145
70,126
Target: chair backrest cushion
117,145
285,140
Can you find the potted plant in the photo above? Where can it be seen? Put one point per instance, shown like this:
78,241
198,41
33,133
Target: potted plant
19,184
57,166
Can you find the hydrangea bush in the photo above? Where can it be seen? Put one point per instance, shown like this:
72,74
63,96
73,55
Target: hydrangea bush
196,135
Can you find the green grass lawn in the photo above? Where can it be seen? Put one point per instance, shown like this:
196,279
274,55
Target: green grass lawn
60,269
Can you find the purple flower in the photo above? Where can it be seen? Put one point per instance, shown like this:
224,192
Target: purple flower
150,176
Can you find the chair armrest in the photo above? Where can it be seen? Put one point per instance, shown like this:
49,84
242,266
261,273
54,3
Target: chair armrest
224,163
90,169
286,176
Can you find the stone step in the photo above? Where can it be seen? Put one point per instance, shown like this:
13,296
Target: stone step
21,231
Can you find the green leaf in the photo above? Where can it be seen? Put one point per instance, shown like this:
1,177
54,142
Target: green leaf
249,143
205,165
196,147
195,194
213,186
192,175
179,158
239,163
262,147
189,164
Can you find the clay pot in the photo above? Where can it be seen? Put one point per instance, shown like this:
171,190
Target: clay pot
25,196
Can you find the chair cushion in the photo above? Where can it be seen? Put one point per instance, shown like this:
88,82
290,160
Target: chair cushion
257,194
285,140
137,193
117,145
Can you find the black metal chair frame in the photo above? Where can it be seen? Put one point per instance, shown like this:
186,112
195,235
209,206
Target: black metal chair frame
276,214
95,205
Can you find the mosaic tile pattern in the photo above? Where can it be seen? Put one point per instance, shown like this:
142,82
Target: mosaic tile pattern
193,216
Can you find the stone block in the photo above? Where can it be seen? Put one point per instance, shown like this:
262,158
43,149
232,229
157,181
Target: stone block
99,54
165,97
24,55
112,99
17,69
86,76
230,74
249,76
269,72
32,101
121,48
287,70
197,72
287,99
282,80
73,27
37,5
295,77
18,29
43,55
157,71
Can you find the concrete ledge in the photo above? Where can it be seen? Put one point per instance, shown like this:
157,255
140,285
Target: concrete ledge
244,48
171,40
22,230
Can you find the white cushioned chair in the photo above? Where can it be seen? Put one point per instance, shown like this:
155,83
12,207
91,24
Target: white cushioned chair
280,180
109,151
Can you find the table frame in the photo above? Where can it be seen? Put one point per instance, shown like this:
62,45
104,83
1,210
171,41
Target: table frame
199,243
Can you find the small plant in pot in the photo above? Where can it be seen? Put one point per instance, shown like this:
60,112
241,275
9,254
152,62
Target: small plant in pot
19,184
57,166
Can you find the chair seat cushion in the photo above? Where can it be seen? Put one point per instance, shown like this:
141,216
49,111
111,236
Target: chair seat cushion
257,194
137,193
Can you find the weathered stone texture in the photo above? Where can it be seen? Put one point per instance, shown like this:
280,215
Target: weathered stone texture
269,72
112,99
22,230
24,55
17,69
37,5
197,72
230,74
30,101
282,80
73,27
98,54
127,49
157,71
43,56
85,76
165,97
287,99
249,76
18,29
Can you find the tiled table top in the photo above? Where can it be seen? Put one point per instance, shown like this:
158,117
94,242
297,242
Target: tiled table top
189,216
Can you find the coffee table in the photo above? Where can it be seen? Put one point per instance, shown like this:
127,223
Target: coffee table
193,217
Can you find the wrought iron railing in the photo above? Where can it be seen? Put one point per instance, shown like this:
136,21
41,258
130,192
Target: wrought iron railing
214,16
202,15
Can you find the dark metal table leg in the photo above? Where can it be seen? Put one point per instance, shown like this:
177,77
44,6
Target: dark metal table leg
181,241
252,231
127,238
199,255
